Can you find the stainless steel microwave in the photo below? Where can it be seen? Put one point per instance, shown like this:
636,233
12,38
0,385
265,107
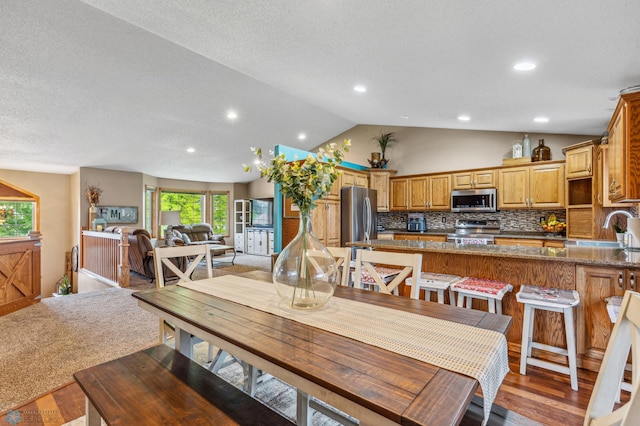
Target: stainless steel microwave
474,200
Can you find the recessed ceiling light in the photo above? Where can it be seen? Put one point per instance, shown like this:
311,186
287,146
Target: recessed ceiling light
359,88
464,118
541,120
524,66
191,150
405,117
302,136
232,115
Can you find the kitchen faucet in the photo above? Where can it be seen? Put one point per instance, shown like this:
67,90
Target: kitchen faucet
615,212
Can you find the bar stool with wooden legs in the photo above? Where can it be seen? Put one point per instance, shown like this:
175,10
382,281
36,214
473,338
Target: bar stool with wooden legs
430,281
553,300
483,289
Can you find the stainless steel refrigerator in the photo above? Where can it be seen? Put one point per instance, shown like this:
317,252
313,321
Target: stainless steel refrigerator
358,214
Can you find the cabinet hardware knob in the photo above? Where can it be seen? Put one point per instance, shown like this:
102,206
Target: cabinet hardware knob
589,167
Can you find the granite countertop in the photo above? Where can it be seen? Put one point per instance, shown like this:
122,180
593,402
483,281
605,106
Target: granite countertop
502,234
597,256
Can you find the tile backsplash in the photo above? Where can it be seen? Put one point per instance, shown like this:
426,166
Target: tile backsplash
510,220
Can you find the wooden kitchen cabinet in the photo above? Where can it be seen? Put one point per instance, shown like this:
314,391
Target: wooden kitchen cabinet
418,193
586,208
579,161
399,194
595,284
439,187
474,179
421,237
421,193
353,178
527,242
379,180
537,186
624,150
325,222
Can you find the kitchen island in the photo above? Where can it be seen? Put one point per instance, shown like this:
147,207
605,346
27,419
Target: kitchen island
595,272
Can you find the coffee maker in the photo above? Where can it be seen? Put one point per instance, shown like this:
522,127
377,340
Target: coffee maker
417,222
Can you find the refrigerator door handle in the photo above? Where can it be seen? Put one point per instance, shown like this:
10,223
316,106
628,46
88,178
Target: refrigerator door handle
367,218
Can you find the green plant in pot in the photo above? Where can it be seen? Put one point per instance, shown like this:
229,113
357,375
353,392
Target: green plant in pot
64,285
383,139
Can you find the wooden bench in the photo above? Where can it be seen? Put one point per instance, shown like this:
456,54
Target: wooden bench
160,386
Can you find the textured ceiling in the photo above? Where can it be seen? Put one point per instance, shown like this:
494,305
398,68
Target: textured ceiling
130,85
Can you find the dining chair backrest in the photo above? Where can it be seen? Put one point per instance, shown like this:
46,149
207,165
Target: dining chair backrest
343,259
626,334
366,265
168,257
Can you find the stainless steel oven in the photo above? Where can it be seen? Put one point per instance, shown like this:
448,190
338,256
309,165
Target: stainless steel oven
478,232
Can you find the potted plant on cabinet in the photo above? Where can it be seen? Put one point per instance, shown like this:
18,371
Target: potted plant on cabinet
383,139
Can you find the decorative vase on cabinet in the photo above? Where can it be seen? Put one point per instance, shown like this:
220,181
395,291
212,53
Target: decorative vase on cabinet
305,273
541,152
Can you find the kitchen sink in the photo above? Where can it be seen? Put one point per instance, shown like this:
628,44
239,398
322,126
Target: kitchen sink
594,243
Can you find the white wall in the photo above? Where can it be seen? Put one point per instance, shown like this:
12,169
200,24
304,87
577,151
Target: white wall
260,188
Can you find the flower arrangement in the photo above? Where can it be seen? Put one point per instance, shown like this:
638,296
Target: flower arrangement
93,192
304,181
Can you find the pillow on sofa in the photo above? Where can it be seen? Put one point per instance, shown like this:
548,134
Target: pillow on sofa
186,239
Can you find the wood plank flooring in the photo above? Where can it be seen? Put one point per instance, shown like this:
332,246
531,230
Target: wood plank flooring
541,395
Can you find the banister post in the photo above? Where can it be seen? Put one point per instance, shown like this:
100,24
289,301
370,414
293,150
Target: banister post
123,265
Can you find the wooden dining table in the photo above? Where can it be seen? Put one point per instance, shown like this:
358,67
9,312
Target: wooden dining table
374,385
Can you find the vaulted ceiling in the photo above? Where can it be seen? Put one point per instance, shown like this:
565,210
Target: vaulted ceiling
130,85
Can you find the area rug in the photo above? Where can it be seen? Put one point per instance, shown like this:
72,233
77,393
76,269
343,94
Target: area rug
44,344
140,282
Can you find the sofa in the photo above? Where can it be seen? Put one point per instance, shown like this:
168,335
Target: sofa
140,261
201,233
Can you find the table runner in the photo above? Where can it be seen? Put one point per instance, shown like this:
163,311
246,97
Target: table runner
472,351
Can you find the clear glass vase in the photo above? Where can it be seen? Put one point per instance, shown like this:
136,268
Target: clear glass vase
305,273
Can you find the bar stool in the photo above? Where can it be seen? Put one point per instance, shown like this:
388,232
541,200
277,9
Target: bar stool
554,300
479,288
613,309
430,281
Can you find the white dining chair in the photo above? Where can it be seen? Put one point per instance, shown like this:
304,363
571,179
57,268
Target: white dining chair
343,261
170,258
370,273
625,337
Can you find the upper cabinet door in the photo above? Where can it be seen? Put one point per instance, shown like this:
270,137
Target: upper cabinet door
579,162
513,190
439,190
399,199
624,150
474,180
547,186
418,193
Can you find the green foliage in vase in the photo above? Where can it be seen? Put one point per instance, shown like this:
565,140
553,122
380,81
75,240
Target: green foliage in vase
304,181
618,227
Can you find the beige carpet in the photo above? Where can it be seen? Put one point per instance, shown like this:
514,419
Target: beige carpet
44,344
